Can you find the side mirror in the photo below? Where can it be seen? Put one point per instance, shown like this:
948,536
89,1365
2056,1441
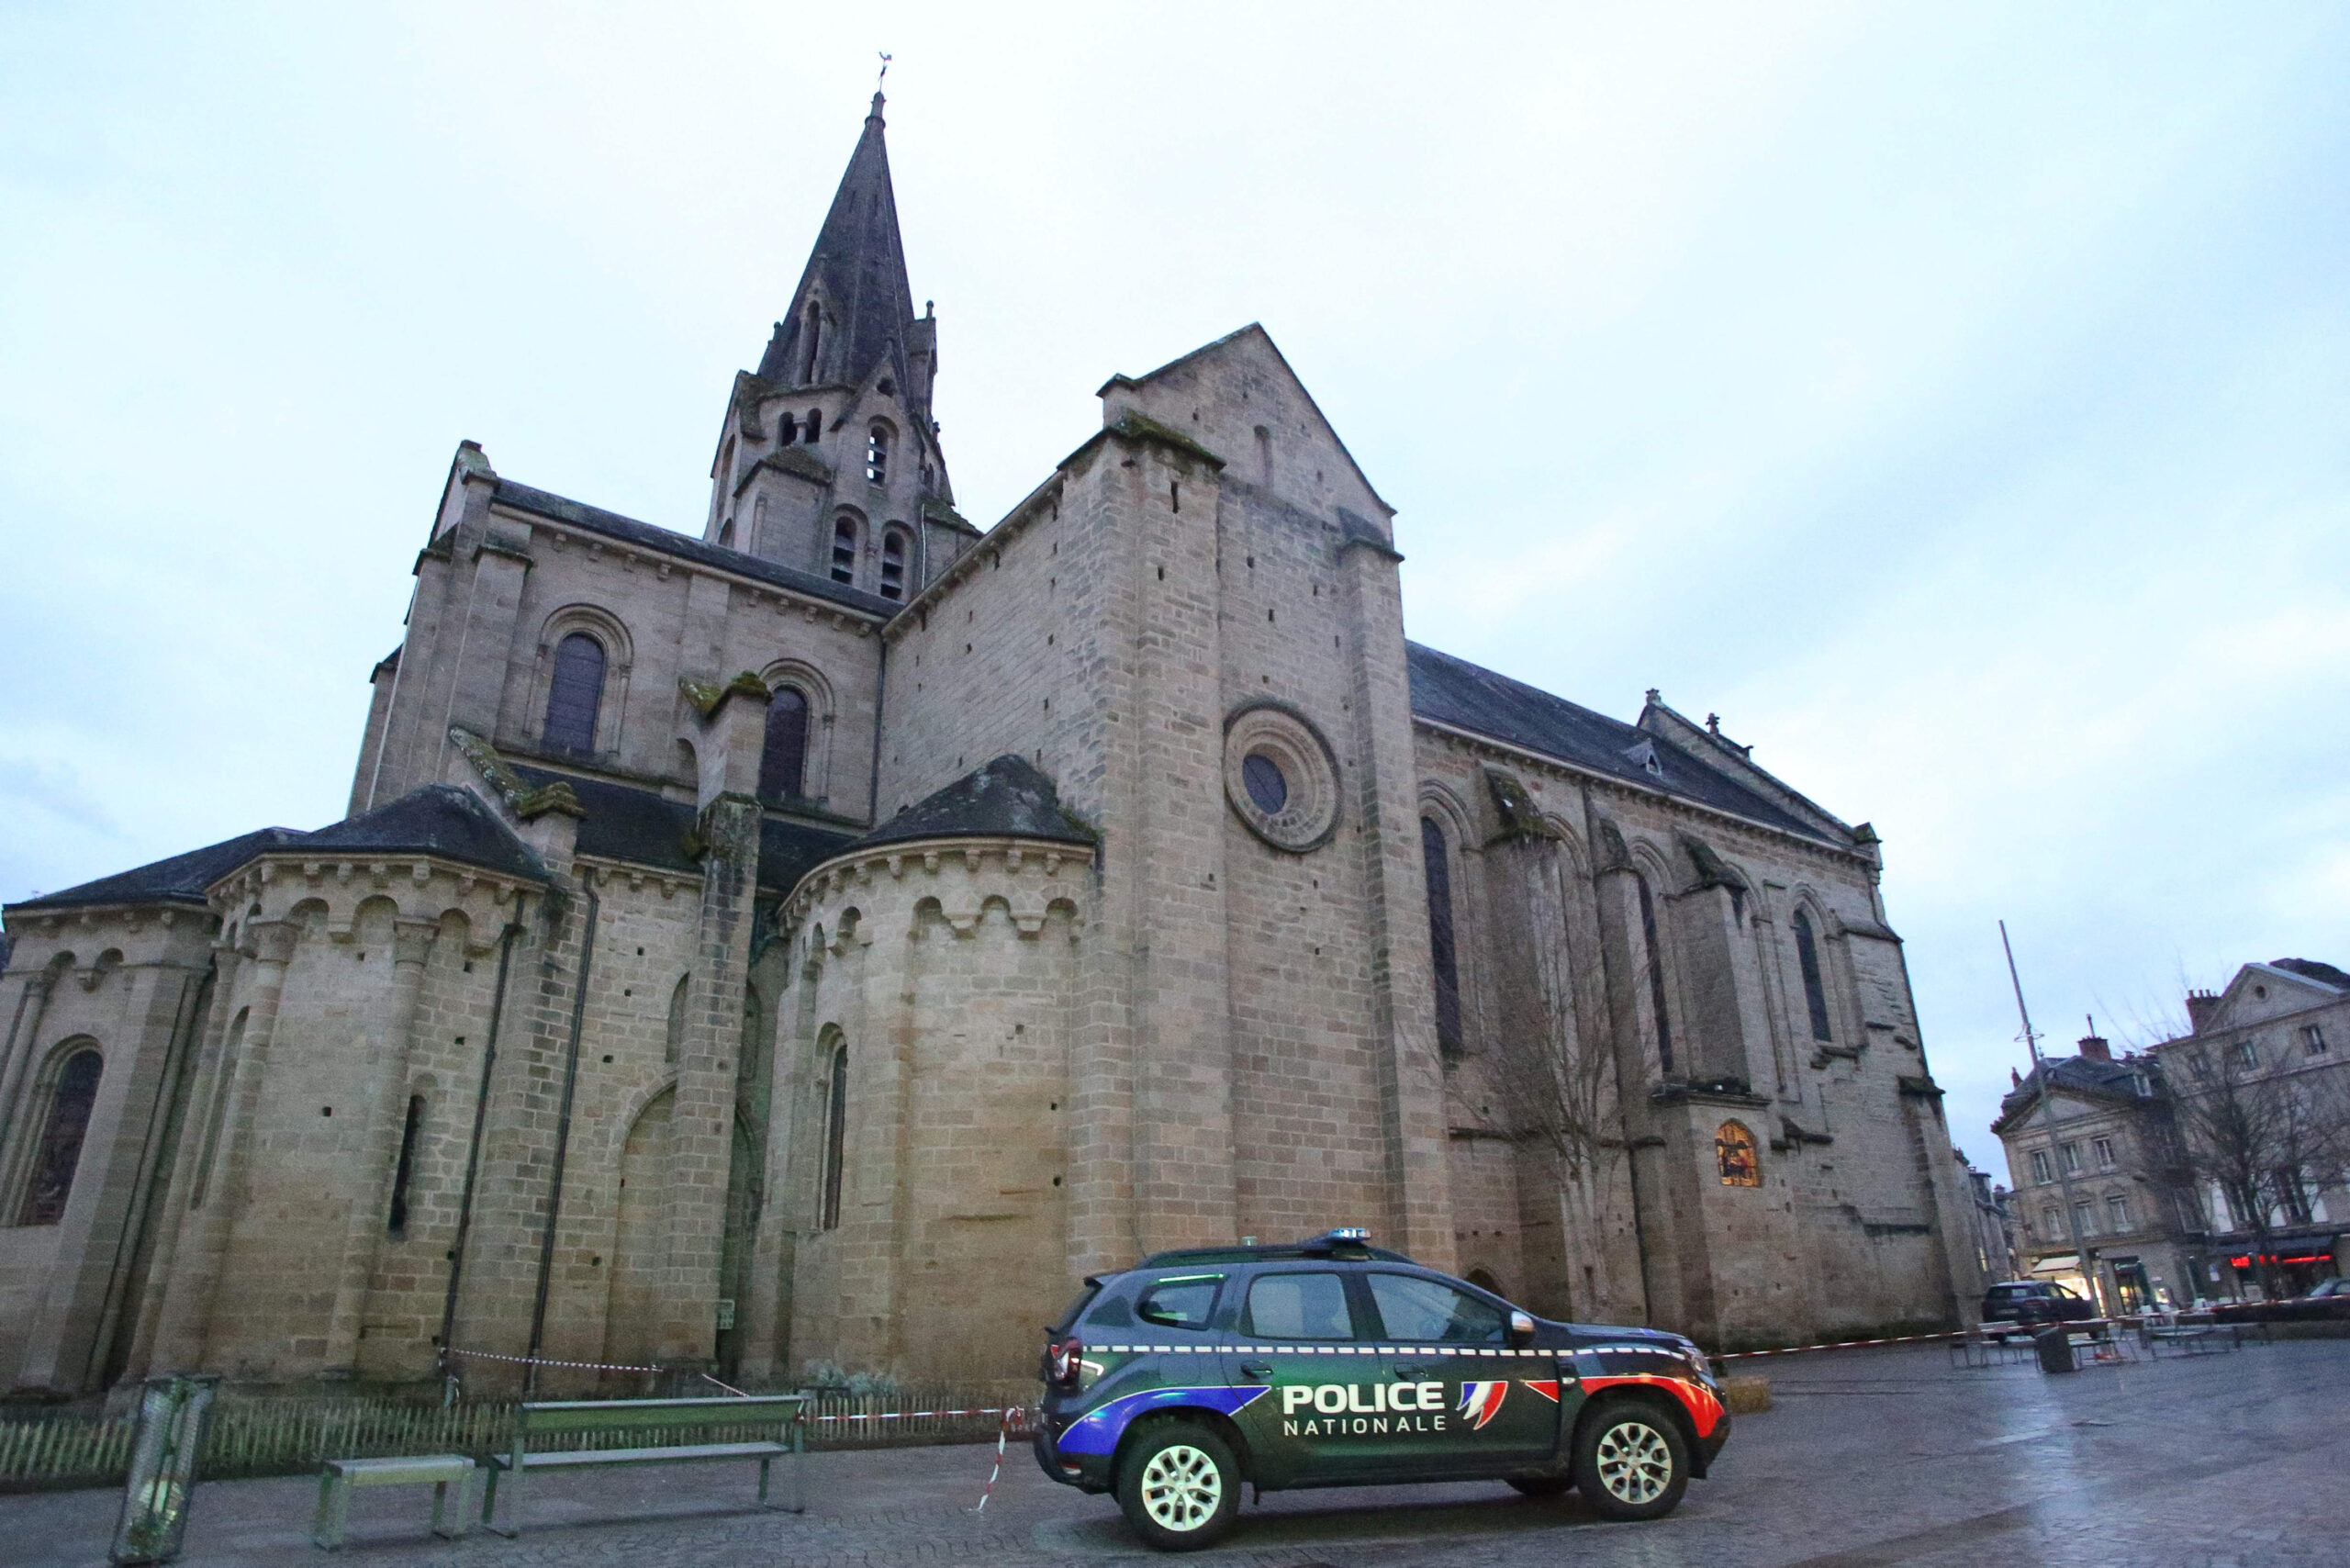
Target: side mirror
1521,1329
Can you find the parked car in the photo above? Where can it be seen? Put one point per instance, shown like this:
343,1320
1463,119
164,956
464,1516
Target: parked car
2326,1299
2028,1303
1332,1362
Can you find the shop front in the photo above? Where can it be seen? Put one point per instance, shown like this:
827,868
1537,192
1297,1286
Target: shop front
2298,1260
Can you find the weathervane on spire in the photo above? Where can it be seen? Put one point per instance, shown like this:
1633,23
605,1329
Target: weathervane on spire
885,71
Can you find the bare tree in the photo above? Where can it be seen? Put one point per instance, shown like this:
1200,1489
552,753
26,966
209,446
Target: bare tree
2264,1139
1554,1081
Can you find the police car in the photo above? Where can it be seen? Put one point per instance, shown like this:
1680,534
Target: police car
1336,1363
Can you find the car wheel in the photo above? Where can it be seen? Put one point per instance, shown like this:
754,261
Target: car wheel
1542,1485
1180,1487
1630,1463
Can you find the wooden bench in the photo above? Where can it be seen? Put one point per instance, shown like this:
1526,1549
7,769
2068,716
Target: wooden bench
577,1417
337,1476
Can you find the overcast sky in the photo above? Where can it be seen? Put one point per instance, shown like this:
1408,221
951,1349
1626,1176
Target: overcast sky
1957,401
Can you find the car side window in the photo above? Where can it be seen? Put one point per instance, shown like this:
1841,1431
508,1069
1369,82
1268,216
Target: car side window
1185,1302
1414,1308
1298,1306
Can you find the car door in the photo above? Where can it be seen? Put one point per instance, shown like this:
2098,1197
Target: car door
1297,1338
1501,1405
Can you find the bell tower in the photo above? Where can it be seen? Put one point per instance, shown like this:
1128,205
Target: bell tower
828,459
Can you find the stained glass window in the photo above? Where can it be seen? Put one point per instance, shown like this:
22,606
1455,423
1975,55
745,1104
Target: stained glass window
1734,1155
60,1149
1441,950
574,693
1815,994
783,761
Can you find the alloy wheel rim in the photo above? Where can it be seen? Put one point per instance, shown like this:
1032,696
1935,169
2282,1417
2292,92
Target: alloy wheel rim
1182,1488
1635,1465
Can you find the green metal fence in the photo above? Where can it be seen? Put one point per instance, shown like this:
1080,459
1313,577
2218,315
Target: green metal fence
250,1436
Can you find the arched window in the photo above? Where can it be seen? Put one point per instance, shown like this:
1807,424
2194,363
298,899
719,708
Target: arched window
51,1181
785,428
1442,953
835,1138
1735,1158
1656,976
845,551
574,693
405,1171
784,759
677,1019
726,533
893,565
816,425
877,454
1815,994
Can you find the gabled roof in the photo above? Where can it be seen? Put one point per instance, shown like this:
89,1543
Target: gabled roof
2082,1076
645,536
1255,330
179,880
859,268
2310,970
1005,799
1453,692
2245,1001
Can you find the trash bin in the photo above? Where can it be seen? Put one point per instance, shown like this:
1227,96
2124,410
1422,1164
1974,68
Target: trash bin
2054,1344
173,1413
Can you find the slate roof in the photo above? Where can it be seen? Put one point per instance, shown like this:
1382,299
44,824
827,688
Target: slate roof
644,828
2079,1075
1453,691
180,880
668,542
1005,799
860,262
2310,970
439,819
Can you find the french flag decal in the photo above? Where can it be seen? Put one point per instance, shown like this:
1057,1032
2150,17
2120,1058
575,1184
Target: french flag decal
1547,1387
1481,1401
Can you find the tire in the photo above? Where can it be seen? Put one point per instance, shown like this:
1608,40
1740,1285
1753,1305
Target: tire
1180,1487
1542,1485
1631,1462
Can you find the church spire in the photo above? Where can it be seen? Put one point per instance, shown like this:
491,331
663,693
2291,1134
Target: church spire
854,309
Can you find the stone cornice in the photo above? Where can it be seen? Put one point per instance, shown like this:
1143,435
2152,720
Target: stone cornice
609,873
165,913
857,621
1487,747
927,855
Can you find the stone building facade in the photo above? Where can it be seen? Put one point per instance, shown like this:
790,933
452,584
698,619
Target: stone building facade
2089,1140
2107,1191
833,935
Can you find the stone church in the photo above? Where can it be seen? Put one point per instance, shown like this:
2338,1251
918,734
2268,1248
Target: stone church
831,936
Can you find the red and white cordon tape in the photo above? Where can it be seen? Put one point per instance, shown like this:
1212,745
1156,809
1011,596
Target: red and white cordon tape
544,1361
1841,1345
1012,1419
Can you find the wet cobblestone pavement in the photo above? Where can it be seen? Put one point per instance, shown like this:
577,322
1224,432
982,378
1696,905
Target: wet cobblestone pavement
1870,1457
